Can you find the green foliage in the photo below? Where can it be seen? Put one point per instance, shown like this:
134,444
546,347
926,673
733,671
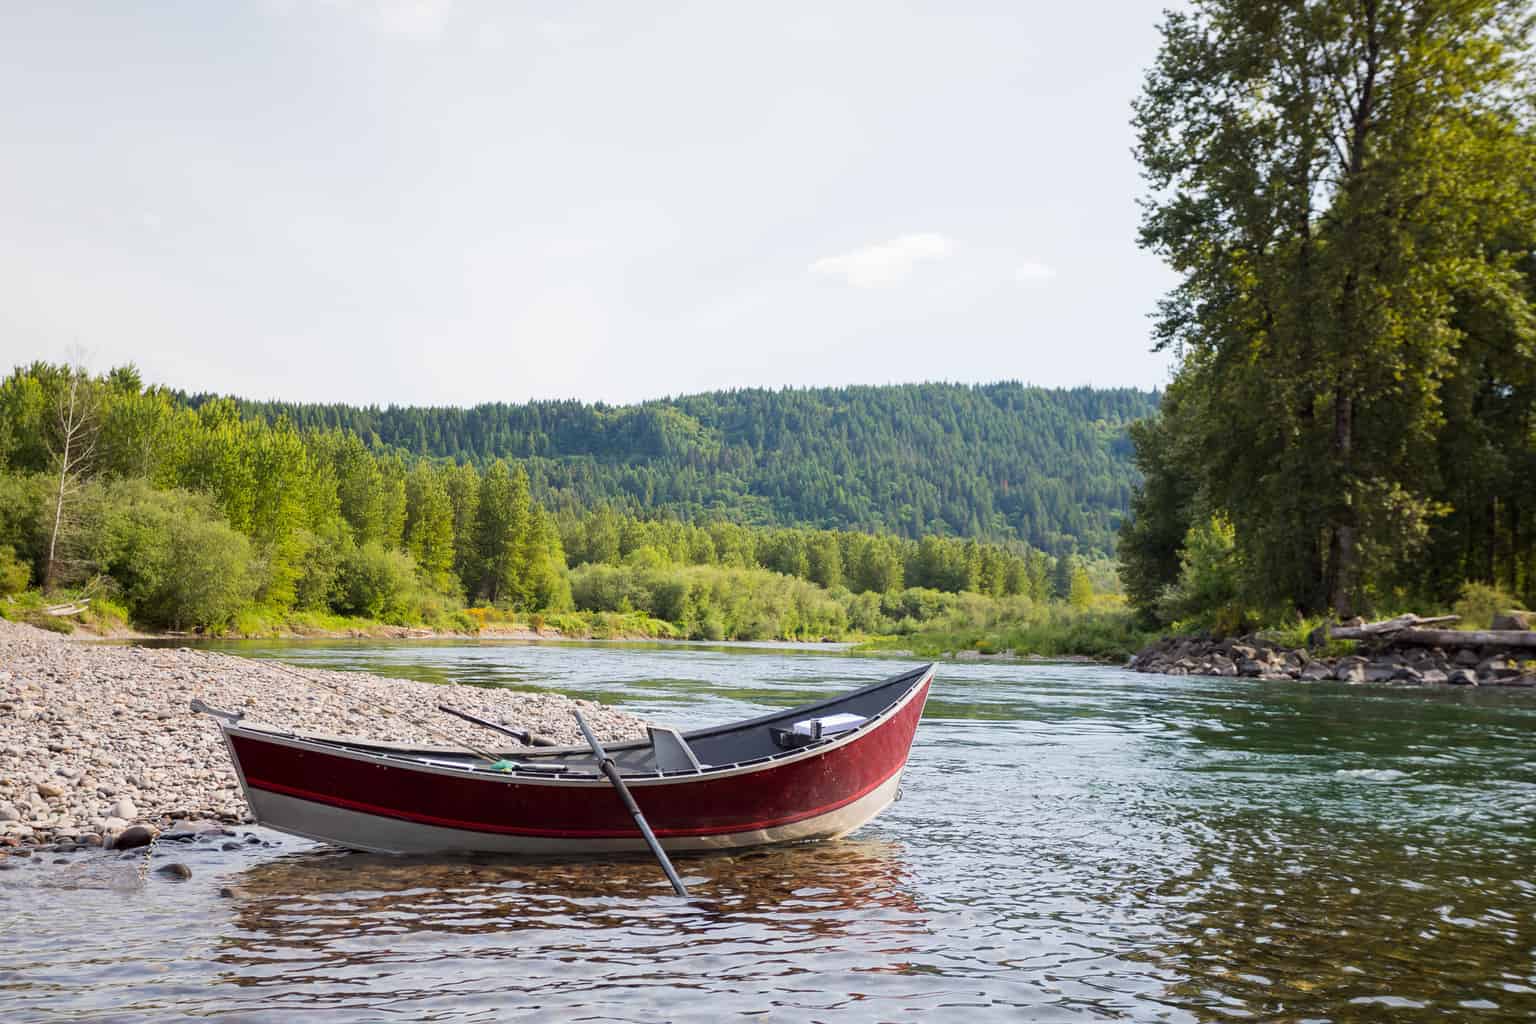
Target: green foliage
1208,591
1106,633
104,615
829,558
1152,538
53,623
23,527
177,562
1479,603
713,603
14,573
998,461
1354,318
376,582
1080,592
429,521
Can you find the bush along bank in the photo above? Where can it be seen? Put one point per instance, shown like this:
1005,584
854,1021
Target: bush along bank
1255,657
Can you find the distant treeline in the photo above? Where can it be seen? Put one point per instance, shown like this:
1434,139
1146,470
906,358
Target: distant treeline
1000,461
190,517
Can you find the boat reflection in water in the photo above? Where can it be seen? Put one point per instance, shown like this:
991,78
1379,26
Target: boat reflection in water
584,934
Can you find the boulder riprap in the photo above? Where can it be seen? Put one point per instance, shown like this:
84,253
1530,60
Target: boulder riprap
1257,658
96,738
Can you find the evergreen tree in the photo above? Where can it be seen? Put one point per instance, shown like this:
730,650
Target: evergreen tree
429,525
502,530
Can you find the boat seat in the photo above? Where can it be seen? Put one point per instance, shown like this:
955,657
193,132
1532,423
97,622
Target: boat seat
673,754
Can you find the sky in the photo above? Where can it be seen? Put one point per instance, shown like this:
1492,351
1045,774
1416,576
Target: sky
446,202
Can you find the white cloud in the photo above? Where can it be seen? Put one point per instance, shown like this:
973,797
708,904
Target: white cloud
566,33
887,263
415,19
1033,272
409,19
490,37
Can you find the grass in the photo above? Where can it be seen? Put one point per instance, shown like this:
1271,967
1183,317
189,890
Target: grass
968,622
28,605
614,626
1105,631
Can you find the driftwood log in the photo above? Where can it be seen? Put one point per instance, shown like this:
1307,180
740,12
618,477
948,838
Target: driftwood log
1407,629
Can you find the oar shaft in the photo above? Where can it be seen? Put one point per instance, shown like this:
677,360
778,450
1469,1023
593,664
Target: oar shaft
526,739
612,771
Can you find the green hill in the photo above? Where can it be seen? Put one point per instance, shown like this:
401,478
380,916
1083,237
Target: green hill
1001,461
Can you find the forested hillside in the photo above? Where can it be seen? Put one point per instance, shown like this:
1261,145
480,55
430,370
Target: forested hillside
212,520
1002,461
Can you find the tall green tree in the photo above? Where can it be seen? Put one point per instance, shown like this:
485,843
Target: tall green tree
1327,177
463,486
429,525
503,525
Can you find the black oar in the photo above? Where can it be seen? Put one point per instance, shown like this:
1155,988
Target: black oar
612,771
527,739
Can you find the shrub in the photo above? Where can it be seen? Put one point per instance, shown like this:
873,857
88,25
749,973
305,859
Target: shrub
105,614
1479,603
318,580
176,560
23,525
378,583
53,623
1208,590
14,573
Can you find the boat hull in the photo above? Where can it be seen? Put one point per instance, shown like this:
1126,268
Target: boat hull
379,834
361,800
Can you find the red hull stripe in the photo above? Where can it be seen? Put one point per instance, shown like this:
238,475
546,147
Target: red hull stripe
556,833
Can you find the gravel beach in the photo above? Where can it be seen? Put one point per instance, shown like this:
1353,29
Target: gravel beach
95,738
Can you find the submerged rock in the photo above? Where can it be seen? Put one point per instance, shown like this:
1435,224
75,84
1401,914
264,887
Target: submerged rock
134,836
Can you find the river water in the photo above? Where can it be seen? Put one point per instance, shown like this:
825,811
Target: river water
1073,843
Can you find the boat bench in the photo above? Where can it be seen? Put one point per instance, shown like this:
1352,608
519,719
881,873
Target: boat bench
672,752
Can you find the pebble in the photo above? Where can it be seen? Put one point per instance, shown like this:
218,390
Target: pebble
124,747
177,871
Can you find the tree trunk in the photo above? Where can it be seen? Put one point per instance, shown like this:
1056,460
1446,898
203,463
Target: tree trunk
69,427
1343,567
1512,559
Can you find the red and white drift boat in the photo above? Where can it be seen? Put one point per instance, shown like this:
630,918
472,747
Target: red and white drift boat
814,772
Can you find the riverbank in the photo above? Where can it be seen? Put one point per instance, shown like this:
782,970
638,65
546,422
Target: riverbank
1257,658
95,738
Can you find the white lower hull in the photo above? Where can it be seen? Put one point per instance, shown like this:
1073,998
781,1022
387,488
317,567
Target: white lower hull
359,831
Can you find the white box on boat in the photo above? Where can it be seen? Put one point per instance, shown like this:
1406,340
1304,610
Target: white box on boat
827,725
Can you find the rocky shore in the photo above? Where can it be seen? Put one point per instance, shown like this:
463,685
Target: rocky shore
96,739
1256,658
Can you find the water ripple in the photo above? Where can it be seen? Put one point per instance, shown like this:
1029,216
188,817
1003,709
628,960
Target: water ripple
1074,843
